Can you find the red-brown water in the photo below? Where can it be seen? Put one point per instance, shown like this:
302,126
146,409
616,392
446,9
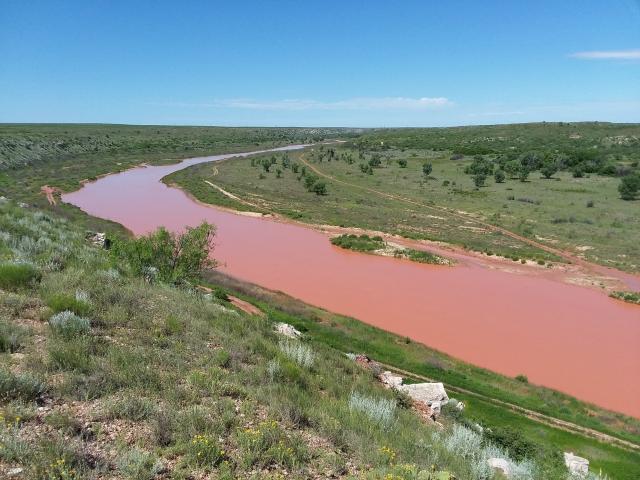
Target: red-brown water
570,338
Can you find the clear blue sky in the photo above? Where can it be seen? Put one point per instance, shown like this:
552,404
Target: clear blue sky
351,63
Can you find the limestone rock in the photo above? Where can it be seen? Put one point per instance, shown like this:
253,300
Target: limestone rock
288,330
430,394
390,380
577,465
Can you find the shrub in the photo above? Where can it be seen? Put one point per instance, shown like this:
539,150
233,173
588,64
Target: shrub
267,444
68,324
513,441
380,410
523,378
10,337
131,407
362,243
138,465
629,187
74,354
319,188
205,451
298,352
19,386
176,258
61,302
590,204
18,275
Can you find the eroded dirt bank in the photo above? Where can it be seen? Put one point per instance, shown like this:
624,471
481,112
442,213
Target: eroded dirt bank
528,321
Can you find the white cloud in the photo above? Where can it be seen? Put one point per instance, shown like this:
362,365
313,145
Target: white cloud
608,55
364,103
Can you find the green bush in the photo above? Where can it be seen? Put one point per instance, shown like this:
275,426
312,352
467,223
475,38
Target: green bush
60,302
362,243
10,337
74,354
18,275
131,407
168,257
19,386
513,441
267,445
68,324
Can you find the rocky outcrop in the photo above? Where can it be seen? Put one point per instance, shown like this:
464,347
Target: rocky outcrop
577,465
390,380
287,330
431,394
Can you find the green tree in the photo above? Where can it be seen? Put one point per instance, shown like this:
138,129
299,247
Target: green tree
403,163
549,167
427,168
375,160
173,258
629,186
523,173
512,168
499,176
479,179
531,160
480,166
319,188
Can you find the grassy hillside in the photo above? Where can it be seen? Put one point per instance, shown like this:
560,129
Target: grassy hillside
144,380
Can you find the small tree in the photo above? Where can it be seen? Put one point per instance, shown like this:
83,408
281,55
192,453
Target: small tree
512,168
549,167
629,187
319,188
427,168
177,258
479,179
499,176
403,163
523,174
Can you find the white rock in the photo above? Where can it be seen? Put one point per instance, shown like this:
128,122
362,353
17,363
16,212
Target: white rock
430,394
287,330
500,464
390,380
14,471
576,465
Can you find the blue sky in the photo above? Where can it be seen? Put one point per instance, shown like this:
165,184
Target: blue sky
313,63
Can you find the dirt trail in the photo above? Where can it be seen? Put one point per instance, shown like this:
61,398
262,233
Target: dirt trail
246,307
50,193
531,414
567,256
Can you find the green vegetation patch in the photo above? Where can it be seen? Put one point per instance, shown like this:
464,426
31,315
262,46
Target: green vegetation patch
631,297
359,243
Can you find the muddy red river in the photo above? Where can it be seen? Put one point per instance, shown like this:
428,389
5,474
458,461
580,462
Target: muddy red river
571,338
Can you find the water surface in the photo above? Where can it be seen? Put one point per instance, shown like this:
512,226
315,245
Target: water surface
567,337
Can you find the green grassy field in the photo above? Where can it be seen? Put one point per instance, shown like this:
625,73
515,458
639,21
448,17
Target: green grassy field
584,216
